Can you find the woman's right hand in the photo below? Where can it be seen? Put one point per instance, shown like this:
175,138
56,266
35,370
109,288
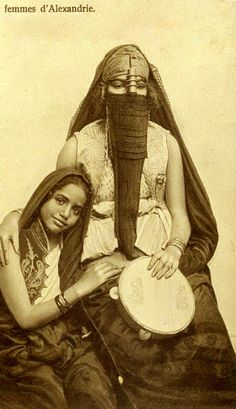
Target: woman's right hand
94,277
9,232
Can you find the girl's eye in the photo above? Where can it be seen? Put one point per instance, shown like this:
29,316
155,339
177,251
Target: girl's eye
77,211
60,201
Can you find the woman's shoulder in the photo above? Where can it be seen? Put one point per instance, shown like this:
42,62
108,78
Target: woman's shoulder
88,139
157,137
156,129
94,130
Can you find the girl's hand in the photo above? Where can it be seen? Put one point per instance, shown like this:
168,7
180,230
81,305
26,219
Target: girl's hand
9,232
94,277
165,262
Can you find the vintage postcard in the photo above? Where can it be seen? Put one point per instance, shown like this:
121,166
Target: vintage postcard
166,74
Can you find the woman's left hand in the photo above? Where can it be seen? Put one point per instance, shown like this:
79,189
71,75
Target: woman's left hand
165,262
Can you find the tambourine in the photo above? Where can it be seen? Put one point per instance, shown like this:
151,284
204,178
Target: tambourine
153,307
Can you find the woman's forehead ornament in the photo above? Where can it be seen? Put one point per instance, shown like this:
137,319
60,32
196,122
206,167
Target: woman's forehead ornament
131,78
125,59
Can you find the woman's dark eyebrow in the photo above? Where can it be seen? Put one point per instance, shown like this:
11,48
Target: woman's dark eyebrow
118,80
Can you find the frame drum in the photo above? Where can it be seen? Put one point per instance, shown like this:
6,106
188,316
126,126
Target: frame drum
156,307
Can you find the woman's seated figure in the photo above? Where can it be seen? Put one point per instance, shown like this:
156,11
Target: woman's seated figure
149,200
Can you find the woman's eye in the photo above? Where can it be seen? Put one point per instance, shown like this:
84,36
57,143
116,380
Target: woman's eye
141,85
118,85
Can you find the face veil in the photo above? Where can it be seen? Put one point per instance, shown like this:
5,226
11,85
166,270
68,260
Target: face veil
204,235
128,124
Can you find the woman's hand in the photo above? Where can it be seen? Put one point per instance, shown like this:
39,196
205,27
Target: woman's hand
165,262
9,232
94,277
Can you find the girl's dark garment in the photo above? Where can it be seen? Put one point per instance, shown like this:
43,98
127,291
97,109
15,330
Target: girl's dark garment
55,366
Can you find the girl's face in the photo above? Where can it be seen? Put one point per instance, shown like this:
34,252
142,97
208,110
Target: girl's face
63,209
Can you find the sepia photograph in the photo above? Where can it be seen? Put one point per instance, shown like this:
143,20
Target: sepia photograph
118,201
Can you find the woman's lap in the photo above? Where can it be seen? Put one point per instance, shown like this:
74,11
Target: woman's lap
200,359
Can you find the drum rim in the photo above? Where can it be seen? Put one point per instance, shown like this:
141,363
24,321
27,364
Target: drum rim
145,326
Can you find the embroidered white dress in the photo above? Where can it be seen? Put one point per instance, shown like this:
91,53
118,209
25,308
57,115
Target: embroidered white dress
154,221
52,282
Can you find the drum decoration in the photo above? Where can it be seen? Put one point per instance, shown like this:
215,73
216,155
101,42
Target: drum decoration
153,307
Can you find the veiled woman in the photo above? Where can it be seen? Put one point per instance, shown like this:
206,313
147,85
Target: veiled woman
149,200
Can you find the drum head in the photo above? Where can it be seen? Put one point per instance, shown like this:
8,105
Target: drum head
163,306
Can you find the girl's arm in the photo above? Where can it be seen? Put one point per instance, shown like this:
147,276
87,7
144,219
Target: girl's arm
166,261
9,232
29,315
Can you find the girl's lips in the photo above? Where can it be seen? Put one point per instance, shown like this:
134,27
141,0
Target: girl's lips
59,222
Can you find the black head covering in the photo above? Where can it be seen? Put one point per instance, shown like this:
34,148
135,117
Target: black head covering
72,238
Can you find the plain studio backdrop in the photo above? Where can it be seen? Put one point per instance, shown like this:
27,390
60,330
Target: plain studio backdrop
47,64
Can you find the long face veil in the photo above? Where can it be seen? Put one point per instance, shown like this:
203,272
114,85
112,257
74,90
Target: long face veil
128,125
204,236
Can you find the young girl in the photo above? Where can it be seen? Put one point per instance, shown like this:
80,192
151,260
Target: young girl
46,354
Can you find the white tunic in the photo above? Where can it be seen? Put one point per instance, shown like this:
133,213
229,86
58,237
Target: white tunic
154,220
